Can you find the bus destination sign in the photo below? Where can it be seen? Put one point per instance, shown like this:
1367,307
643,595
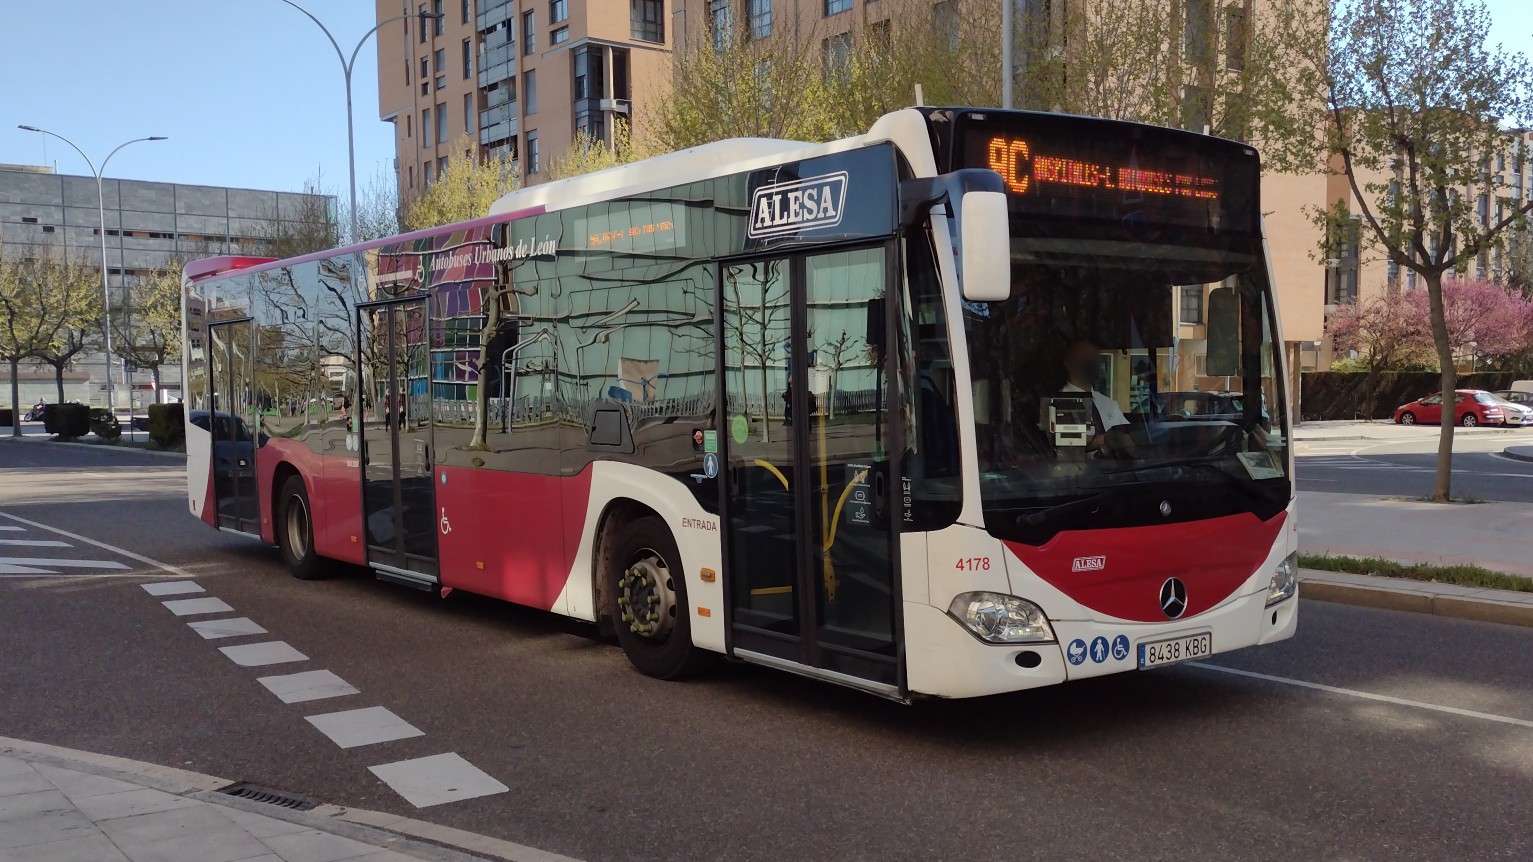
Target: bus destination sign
1066,167
1022,168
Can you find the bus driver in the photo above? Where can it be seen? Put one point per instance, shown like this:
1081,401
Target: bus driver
1082,359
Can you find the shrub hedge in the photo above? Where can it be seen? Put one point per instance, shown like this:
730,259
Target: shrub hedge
1345,394
66,421
167,425
104,424
6,417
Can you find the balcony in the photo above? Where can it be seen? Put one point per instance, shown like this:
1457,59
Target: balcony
496,64
497,123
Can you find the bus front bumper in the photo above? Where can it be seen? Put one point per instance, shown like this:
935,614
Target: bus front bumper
944,660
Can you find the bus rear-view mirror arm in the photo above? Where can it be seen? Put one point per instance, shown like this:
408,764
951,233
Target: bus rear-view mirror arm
976,201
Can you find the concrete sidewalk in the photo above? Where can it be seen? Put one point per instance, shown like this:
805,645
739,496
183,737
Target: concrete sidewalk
1426,597
1497,536
1386,431
61,805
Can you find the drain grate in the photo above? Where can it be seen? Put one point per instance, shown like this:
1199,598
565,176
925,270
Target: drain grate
246,790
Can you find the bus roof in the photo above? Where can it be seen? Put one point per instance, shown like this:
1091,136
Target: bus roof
671,169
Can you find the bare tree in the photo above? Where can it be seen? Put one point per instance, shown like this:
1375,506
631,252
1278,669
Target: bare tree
72,319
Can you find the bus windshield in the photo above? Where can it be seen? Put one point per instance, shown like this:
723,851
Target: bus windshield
1127,383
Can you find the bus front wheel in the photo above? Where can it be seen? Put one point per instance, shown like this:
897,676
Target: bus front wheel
647,598
295,531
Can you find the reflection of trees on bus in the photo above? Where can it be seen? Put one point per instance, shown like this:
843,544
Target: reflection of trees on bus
759,329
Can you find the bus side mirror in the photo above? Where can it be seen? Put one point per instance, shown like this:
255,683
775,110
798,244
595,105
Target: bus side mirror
984,243
1223,332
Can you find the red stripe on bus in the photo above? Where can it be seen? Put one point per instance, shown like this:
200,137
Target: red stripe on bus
510,536
1213,558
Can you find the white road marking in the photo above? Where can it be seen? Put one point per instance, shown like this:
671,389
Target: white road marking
62,564
164,567
171,588
367,726
10,529
261,654
36,543
1367,695
440,778
226,628
187,607
306,686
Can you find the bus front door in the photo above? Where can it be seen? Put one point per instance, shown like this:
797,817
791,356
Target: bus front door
398,494
234,426
810,565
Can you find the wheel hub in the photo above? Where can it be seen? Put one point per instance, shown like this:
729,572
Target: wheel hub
647,597
298,528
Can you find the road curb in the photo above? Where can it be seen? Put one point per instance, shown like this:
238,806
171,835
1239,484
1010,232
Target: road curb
1456,607
101,447
1340,439
378,828
1519,453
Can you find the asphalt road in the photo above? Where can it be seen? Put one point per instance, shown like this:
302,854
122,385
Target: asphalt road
1185,763
1407,467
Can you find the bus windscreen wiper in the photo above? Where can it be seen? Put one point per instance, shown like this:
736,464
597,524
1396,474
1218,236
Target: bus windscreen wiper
1040,517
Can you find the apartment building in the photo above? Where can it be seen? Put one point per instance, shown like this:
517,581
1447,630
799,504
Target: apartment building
518,77
148,225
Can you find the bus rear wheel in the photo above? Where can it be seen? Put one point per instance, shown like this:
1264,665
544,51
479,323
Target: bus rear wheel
647,598
295,532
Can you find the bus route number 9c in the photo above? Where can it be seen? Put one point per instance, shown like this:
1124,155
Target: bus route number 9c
1157,653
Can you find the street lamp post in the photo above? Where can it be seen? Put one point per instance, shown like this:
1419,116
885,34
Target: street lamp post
346,68
106,291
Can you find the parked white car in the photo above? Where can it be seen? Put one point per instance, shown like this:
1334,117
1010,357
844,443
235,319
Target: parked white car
1514,413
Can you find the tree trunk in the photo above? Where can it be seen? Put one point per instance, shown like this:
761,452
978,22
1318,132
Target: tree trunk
15,398
482,390
58,381
1441,490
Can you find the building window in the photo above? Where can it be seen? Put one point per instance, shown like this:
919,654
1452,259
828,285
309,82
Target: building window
761,18
1482,209
425,127
945,21
1235,38
529,40
29,219
441,122
836,7
441,167
422,13
441,82
532,151
530,90
425,75
878,34
1197,108
468,59
407,73
588,74
408,118
558,11
468,113
647,20
838,52
1192,304
465,11
440,56
1195,32
47,228
510,87
559,36
441,20
426,172
721,23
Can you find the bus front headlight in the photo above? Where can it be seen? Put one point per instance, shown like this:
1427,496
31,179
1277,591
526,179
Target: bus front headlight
1285,580
1001,619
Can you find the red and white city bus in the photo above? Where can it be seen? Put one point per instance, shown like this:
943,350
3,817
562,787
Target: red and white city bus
901,412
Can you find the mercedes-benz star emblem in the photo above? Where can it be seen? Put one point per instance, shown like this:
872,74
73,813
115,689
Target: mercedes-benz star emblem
1165,508
1173,598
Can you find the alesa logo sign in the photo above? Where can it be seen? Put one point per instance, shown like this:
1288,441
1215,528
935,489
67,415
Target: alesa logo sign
785,208
1089,564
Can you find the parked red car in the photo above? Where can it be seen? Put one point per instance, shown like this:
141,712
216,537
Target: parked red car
1475,407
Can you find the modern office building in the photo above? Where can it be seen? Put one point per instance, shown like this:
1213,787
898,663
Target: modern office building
518,77
148,225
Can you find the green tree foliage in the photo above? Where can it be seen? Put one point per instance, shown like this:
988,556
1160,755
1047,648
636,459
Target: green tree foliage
146,326
24,319
588,154
1414,95
465,190
71,320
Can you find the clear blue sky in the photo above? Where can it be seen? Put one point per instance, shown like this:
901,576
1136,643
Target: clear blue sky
249,91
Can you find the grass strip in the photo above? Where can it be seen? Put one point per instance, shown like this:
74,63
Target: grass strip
1462,575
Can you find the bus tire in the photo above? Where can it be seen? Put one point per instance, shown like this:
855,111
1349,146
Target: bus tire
647,599
295,532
